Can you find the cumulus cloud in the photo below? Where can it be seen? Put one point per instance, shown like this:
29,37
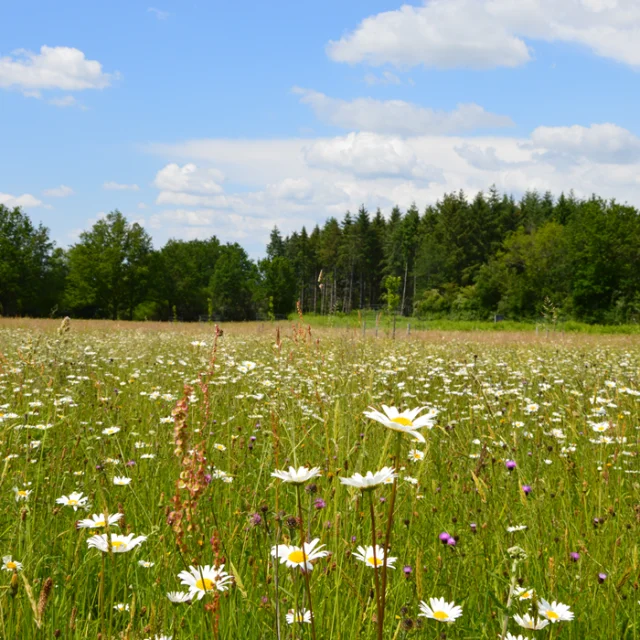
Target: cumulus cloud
59,192
116,186
483,34
26,200
63,68
189,178
603,143
313,179
370,155
398,117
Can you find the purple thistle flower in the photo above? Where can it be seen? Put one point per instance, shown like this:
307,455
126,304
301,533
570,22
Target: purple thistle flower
319,503
575,556
474,527
510,464
256,519
526,489
444,537
451,542
602,577
407,570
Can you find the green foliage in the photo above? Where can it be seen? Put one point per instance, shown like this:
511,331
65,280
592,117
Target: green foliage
32,271
109,269
234,284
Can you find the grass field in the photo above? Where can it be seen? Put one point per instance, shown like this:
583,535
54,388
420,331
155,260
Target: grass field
368,320
530,442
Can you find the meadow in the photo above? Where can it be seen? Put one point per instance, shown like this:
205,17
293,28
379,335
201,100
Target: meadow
131,452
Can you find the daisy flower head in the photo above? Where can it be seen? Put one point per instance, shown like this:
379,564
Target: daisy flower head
297,557
200,580
156,637
121,481
110,431
370,480
21,494
554,612
406,422
75,500
178,597
527,622
304,615
219,447
415,455
99,521
146,564
119,543
439,610
373,560
523,593
121,607
9,564
297,476
510,636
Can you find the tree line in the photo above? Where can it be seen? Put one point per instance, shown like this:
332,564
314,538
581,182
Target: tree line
459,258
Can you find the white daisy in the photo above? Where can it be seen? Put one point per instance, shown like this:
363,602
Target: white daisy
121,481
296,557
405,422
527,622
366,555
99,521
21,494
203,579
179,597
75,500
370,480
523,594
119,543
297,476
415,455
9,564
303,615
554,612
440,610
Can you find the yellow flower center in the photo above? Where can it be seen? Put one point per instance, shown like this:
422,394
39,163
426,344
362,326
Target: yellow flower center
72,502
526,595
99,523
205,584
11,565
376,562
552,615
22,493
297,556
405,422
440,615
116,544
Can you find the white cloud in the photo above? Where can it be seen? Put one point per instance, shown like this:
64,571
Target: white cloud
313,179
62,68
483,34
65,101
158,13
386,77
116,186
26,200
189,178
370,155
398,117
59,192
604,143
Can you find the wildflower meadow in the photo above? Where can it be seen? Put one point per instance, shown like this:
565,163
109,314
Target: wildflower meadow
262,481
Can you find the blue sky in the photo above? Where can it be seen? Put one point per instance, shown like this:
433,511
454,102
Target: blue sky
227,118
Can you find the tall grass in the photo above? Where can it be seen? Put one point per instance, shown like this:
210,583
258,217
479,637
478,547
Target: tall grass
302,404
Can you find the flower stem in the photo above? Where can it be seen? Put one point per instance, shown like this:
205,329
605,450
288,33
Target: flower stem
512,586
306,573
375,562
387,538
